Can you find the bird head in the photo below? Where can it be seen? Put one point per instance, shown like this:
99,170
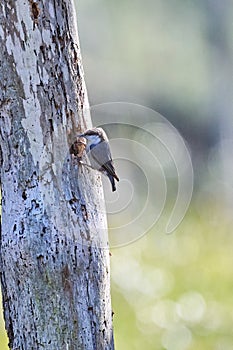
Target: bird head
95,136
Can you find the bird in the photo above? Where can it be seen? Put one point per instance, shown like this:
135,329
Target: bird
78,147
99,153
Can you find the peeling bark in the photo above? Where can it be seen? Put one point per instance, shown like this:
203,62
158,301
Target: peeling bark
54,255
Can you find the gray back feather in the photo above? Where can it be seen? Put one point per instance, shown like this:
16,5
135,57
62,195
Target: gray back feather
99,155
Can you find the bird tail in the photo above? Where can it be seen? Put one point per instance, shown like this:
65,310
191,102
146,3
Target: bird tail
112,180
116,177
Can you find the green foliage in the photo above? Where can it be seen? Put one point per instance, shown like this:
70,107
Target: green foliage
3,336
174,291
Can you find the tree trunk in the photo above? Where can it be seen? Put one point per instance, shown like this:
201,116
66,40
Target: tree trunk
54,255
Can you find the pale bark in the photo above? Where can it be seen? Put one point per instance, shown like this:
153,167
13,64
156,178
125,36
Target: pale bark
54,256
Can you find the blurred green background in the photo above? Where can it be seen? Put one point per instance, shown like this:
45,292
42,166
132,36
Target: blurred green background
172,292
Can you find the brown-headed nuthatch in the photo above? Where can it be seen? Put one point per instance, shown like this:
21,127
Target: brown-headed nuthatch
99,154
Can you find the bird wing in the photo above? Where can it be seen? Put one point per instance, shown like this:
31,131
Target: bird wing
110,169
101,154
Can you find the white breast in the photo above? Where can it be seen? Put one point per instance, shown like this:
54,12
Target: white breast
92,140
